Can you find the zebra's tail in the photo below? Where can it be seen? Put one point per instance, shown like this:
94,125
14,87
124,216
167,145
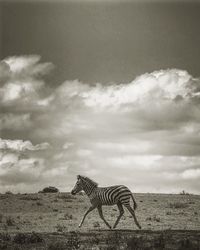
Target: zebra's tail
134,202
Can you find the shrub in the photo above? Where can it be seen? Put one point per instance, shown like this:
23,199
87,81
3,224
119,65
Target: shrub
10,221
178,205
154,218
58,245
8,192
29,198
184,193
22,238
35,238
39,203
96,224
50,189
5,237
60,228
2,197
135,243
68,217
1,218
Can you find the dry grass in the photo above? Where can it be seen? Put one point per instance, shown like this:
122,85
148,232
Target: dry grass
62,212
179,205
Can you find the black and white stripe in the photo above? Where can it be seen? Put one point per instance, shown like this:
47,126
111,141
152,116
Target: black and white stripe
99,196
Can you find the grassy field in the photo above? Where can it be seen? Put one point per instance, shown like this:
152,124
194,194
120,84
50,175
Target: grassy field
62,212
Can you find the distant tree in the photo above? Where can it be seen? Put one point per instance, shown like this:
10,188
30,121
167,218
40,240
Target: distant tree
49,189
8,192
183,193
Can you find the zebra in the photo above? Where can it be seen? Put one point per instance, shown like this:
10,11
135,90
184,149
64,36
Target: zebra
111,195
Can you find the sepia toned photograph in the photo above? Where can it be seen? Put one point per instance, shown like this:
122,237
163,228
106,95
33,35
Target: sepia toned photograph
99,125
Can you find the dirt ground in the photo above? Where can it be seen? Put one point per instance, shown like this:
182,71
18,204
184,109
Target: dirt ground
62,212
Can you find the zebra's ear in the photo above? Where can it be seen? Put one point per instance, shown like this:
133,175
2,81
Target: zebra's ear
78,177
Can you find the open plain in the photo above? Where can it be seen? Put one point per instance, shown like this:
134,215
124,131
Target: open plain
50,221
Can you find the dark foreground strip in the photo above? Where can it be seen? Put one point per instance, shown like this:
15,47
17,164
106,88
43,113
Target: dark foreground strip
103,240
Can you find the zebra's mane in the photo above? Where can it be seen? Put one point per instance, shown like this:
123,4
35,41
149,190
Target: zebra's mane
87,179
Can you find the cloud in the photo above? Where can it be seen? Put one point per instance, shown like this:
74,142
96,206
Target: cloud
191,174
15,122
21,171
27,66
4,71
18,165
163,85
21,84
145,131
19,145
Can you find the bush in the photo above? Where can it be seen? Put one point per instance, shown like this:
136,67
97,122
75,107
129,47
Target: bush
135,243
184,193
39,203
1,218
96,224
10,221
22,238
29,198
68,216
178,205
60,228
8,192
49,189
57,245
5,237
153,218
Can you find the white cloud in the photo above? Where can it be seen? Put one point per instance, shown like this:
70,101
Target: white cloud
19,145
27,66
21,82
18,165
191,174
159,86
8,158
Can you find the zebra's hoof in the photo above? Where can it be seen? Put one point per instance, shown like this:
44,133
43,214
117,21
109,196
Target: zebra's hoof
79,225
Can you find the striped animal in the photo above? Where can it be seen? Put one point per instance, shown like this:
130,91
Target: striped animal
99,196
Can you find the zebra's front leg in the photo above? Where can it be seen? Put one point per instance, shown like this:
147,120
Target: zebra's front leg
102,217
87,212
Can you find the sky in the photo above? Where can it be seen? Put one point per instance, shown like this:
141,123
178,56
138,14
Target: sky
106,89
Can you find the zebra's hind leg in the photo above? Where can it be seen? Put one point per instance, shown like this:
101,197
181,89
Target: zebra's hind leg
133,214
102,217
121,212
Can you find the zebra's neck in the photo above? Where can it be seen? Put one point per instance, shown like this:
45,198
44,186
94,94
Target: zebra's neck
88,188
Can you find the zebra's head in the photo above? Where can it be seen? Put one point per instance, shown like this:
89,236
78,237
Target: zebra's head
78,186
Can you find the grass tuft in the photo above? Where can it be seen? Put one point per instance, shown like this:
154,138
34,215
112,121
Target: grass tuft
178,205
